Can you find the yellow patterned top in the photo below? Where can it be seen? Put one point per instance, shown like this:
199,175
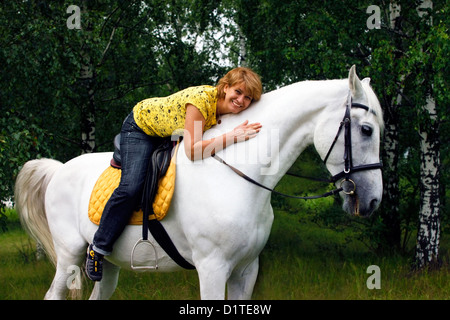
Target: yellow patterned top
162,116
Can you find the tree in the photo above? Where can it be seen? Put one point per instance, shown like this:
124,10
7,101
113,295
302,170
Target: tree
66,91
427,247
292,41
385,59
69,89
321,41
416,48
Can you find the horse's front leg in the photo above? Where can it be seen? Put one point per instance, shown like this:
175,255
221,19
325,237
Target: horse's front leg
104,289
242,280
213,275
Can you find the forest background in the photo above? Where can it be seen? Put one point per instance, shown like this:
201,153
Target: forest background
70,71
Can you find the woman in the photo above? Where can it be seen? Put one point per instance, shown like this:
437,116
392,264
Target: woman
195,110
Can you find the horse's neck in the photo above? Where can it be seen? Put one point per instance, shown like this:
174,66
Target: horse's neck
289,117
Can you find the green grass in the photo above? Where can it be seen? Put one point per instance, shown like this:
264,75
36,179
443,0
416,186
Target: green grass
303,261
21,276
300,261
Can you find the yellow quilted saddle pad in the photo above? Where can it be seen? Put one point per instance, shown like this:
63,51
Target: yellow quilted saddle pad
109,181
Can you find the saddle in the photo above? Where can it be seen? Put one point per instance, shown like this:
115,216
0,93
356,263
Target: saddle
159,185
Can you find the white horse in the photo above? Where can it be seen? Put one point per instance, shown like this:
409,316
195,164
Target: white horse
218,221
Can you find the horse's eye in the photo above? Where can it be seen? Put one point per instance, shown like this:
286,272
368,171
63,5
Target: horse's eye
366,130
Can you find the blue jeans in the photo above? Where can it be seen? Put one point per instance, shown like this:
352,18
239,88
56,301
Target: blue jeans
136,149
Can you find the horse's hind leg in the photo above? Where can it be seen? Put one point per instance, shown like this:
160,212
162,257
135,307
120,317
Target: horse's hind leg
104,289
58,289
69,258
242,280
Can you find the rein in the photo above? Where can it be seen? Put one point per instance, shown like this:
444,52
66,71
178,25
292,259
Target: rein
243,175
348,161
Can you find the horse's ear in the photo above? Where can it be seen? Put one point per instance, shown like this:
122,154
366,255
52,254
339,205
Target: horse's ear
366,80
355,85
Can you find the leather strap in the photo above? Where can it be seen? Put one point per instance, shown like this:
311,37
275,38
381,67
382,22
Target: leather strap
156,228
243,175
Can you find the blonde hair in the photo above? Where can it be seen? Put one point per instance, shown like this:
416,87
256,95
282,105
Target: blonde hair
239,75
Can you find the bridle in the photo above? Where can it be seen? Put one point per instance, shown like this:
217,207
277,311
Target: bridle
348,161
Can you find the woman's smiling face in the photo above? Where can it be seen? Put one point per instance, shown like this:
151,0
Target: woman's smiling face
237,99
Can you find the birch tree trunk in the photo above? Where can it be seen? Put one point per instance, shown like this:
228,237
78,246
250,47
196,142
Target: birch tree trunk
86,83
87,79
427,245
242,49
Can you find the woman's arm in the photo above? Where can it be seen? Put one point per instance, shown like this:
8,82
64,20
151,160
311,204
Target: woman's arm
196,148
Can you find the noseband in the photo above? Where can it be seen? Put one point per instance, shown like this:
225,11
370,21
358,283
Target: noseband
348,160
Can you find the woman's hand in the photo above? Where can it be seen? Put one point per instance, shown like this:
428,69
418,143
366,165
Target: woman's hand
196,148
245,131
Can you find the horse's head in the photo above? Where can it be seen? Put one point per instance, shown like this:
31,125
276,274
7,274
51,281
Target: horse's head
353,159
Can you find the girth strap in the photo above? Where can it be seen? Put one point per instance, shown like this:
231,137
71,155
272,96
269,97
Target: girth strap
160,234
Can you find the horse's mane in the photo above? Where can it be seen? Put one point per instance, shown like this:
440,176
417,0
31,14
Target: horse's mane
373,103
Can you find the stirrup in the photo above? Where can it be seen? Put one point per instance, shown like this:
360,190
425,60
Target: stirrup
148,242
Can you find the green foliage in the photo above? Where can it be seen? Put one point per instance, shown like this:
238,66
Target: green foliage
3,220
139,49
134,50
290,41
19,142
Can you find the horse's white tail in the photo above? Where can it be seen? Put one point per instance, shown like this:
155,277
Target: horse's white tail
29,195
